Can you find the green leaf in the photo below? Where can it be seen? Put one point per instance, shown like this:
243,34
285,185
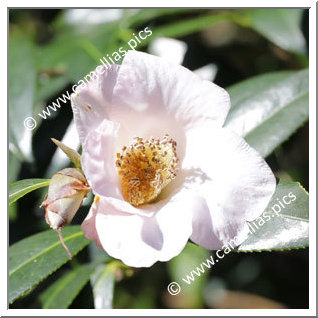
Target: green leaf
22,187
95,253
181,267
146,15
22,78
281,26
289,229
73,155
14,167
185,27
102,282
49,86
62,292
13,212
267,109
33,259
76,51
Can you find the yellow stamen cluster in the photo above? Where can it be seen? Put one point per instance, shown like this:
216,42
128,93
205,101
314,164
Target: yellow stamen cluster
145,168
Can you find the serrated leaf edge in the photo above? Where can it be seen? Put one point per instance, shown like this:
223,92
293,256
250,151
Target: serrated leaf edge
44,251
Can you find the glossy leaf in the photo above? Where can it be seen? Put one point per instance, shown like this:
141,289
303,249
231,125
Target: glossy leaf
22,77
268,109
186,26
14,168
22,187
287,230
36,257
281,26
102,282
62,292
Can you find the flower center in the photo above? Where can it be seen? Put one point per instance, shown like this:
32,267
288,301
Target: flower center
145,168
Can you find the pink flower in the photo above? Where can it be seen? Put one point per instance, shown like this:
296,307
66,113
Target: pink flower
203,182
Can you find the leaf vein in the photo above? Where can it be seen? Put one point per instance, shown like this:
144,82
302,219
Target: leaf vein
43,252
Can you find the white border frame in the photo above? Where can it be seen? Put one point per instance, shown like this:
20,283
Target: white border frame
312,161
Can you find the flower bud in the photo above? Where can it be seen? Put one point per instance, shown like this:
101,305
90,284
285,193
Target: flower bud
67,190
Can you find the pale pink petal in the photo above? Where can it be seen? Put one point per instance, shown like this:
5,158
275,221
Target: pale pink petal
149,96
234,180
148,87
88,225
93,99
141,241
98,159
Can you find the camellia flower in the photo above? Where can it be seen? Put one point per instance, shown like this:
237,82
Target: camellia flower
160,164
